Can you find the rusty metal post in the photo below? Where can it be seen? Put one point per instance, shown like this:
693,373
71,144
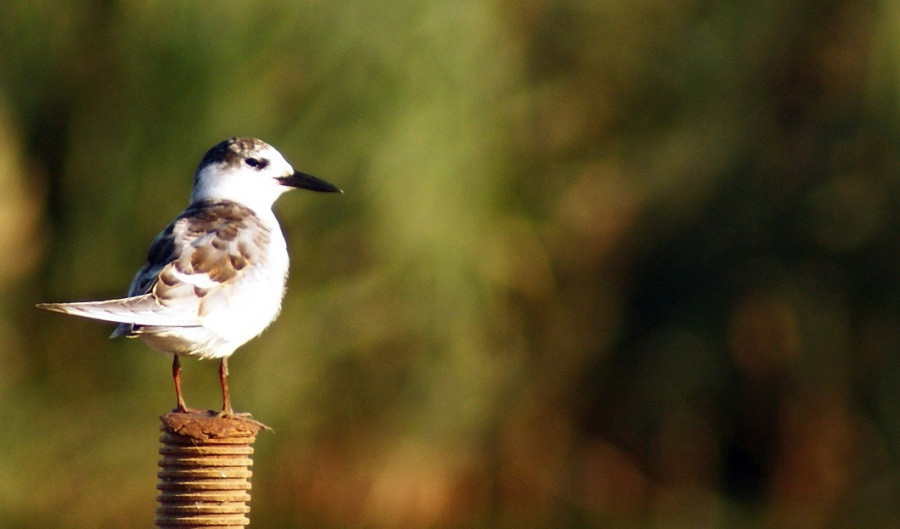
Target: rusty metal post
204,471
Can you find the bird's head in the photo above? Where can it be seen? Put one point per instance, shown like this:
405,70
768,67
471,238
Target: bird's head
250,172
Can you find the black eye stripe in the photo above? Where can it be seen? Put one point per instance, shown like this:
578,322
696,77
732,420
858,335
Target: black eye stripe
257,163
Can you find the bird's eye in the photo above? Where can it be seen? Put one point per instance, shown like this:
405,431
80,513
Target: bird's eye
257,163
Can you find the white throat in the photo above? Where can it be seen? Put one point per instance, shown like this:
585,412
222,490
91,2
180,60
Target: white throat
246,187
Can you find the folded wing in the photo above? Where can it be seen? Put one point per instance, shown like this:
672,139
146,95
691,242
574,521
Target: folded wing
191,266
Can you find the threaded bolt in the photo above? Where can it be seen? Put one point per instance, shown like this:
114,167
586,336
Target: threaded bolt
204,476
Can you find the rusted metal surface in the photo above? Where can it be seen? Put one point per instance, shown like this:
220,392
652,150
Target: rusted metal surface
204,476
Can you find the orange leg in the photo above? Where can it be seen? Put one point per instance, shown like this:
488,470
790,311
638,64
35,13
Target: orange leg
223,380
176,376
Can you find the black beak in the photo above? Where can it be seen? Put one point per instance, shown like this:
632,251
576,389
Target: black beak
305,181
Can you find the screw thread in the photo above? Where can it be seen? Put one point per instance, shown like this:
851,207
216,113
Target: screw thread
204,471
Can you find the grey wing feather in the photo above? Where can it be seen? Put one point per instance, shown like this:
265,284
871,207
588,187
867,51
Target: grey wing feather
188,268
142,307
139,310
162,252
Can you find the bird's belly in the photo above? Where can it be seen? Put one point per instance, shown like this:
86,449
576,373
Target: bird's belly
247,314
192,341
228,321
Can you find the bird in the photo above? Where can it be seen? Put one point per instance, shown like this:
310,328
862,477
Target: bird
215,277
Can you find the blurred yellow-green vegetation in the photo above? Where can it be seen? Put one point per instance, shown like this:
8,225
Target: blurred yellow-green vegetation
598,263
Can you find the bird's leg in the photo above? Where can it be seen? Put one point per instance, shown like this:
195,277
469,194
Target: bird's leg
223,380
176,376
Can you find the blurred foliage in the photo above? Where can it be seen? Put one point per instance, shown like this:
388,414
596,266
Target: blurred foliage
598,264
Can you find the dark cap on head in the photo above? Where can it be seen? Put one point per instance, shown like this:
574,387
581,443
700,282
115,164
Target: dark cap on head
231,151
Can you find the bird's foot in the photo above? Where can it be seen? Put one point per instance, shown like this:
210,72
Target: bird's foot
246,417
231,414
185,409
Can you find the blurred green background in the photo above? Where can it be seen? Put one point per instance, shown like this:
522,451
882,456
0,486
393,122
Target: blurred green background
597,264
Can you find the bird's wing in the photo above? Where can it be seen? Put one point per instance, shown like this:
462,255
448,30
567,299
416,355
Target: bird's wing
218,242
140,310
191,267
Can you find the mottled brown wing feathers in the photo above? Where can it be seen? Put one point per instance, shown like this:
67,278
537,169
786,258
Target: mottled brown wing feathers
209,244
